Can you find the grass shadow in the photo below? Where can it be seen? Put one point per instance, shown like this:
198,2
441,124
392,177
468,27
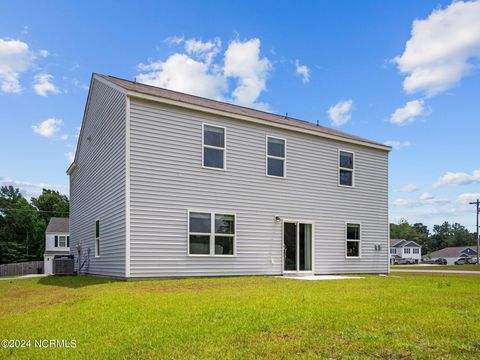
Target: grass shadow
74,282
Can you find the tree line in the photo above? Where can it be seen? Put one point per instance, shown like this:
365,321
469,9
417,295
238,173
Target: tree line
441,236
23,223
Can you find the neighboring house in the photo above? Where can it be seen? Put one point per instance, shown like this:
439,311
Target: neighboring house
57,241
452,254
404,249
167,184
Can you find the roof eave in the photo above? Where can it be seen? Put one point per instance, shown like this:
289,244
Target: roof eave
71,168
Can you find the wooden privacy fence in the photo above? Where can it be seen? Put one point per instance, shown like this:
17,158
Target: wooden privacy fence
23,268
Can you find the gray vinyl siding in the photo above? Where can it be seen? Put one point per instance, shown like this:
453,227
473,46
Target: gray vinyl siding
167,179
97,185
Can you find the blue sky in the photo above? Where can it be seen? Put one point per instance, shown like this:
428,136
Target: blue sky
403,72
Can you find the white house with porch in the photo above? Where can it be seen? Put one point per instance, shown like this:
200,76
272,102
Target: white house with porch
57,241
405,249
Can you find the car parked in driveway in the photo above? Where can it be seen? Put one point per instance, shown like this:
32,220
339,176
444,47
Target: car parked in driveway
461,261
403,261
472,260
400,261
441,261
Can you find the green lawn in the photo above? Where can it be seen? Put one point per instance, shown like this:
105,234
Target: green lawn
402,316
468,267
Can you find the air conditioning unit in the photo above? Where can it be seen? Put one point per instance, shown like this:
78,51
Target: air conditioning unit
63,265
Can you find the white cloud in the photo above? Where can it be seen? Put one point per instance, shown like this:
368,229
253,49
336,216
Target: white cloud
70,156
243,62
182,73
458,178
197,73
50,128
468,197
397,145
204,50
15,59
408,188
442,49
42,85
303,71
339,113
409,112
29,189
424,199
174,40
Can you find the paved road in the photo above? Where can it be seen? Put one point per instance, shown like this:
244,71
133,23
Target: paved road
437,271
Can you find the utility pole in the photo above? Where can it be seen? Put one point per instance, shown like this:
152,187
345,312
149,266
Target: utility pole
478,239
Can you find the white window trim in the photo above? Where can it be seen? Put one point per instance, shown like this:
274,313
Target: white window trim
359,241
97,239
275,157
224,148
212,234
405,251
64,239
347,169
298,221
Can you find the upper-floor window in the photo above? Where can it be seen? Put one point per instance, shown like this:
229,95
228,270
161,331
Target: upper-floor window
62,241
97,238
353,240
276,156
213,147
406,251
345,168
211,233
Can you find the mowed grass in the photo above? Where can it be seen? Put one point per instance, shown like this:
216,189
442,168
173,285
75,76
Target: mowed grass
466,267
405,316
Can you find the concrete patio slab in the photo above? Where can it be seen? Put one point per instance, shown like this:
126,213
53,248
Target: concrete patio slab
319,277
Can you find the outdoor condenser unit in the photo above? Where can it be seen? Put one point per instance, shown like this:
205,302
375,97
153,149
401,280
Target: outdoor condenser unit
63,265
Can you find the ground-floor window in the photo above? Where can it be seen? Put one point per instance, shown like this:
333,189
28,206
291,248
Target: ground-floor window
211,233
416,251
353,240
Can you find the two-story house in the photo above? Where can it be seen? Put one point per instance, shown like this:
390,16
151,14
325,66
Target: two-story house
57,241
405,249
167,184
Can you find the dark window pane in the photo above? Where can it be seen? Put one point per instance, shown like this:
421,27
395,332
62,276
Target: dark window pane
275,167
346,160
353,232
353,248
276,147
200,222
213,158
346,177
224,224
223,245
97,228
290,246
213,136
199,244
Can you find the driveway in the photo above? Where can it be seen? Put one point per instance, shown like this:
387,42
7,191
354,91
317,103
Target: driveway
23,277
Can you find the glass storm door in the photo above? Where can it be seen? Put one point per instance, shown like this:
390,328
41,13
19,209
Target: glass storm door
297,246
